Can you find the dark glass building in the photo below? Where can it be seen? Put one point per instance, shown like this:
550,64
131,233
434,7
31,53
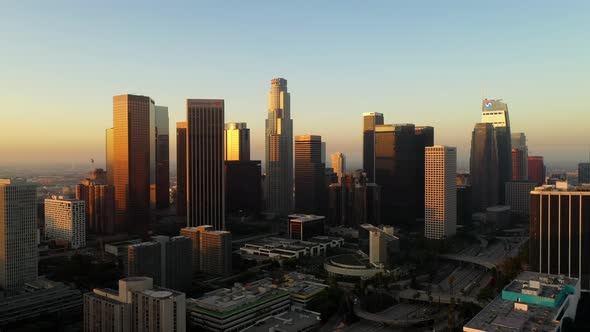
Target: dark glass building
370,120
395,172
519,171
424,138
495,112
243,187
584,173
181,170
464,208
162,158
310,181
303,227
205,164
560,233
483,167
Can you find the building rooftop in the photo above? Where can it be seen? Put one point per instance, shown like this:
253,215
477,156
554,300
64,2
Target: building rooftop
498,208
225,302
304,218
302,285
290,321
531,302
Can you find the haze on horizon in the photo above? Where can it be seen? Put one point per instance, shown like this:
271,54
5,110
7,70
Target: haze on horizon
428,63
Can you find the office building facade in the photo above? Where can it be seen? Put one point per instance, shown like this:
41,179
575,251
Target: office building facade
354,201
519,142
65,219
215,251
338,161
131,161
145,259
279,150
583,173
519,170
395,172
18,233
560,232
440,208
206,179
181,169
483,165
518,196
136,306
536,169
370,121
303,226
162,158
243,187
237,142
310,188
424,139
99,202
494,111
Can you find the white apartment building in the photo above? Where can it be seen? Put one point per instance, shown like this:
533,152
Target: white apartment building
65,219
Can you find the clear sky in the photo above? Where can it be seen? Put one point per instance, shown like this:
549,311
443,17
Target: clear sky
424,62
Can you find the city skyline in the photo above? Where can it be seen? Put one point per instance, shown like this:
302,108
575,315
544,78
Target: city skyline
403,80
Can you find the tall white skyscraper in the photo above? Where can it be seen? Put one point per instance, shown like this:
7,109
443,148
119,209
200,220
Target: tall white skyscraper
338,164
65,219
440,201
279,150
18,233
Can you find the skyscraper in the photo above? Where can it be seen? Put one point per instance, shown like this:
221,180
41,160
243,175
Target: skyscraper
440,209
395,172
483,165
560,232
181,169
338,164
131,153
243,187
424,138
519,142
18,233
110,156
519,172
536,169
99,201
237,141
279,150
354,201
494,111
162,159
309,174
65,219
584,173
370,120
205,180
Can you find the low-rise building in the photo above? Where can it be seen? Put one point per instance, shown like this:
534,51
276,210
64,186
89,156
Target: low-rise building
498,217
283,248
352,266
37,298
302,287
305,226
294,320
531,302
228,310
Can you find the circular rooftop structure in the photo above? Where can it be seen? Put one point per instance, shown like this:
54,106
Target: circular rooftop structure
161,294
352,266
